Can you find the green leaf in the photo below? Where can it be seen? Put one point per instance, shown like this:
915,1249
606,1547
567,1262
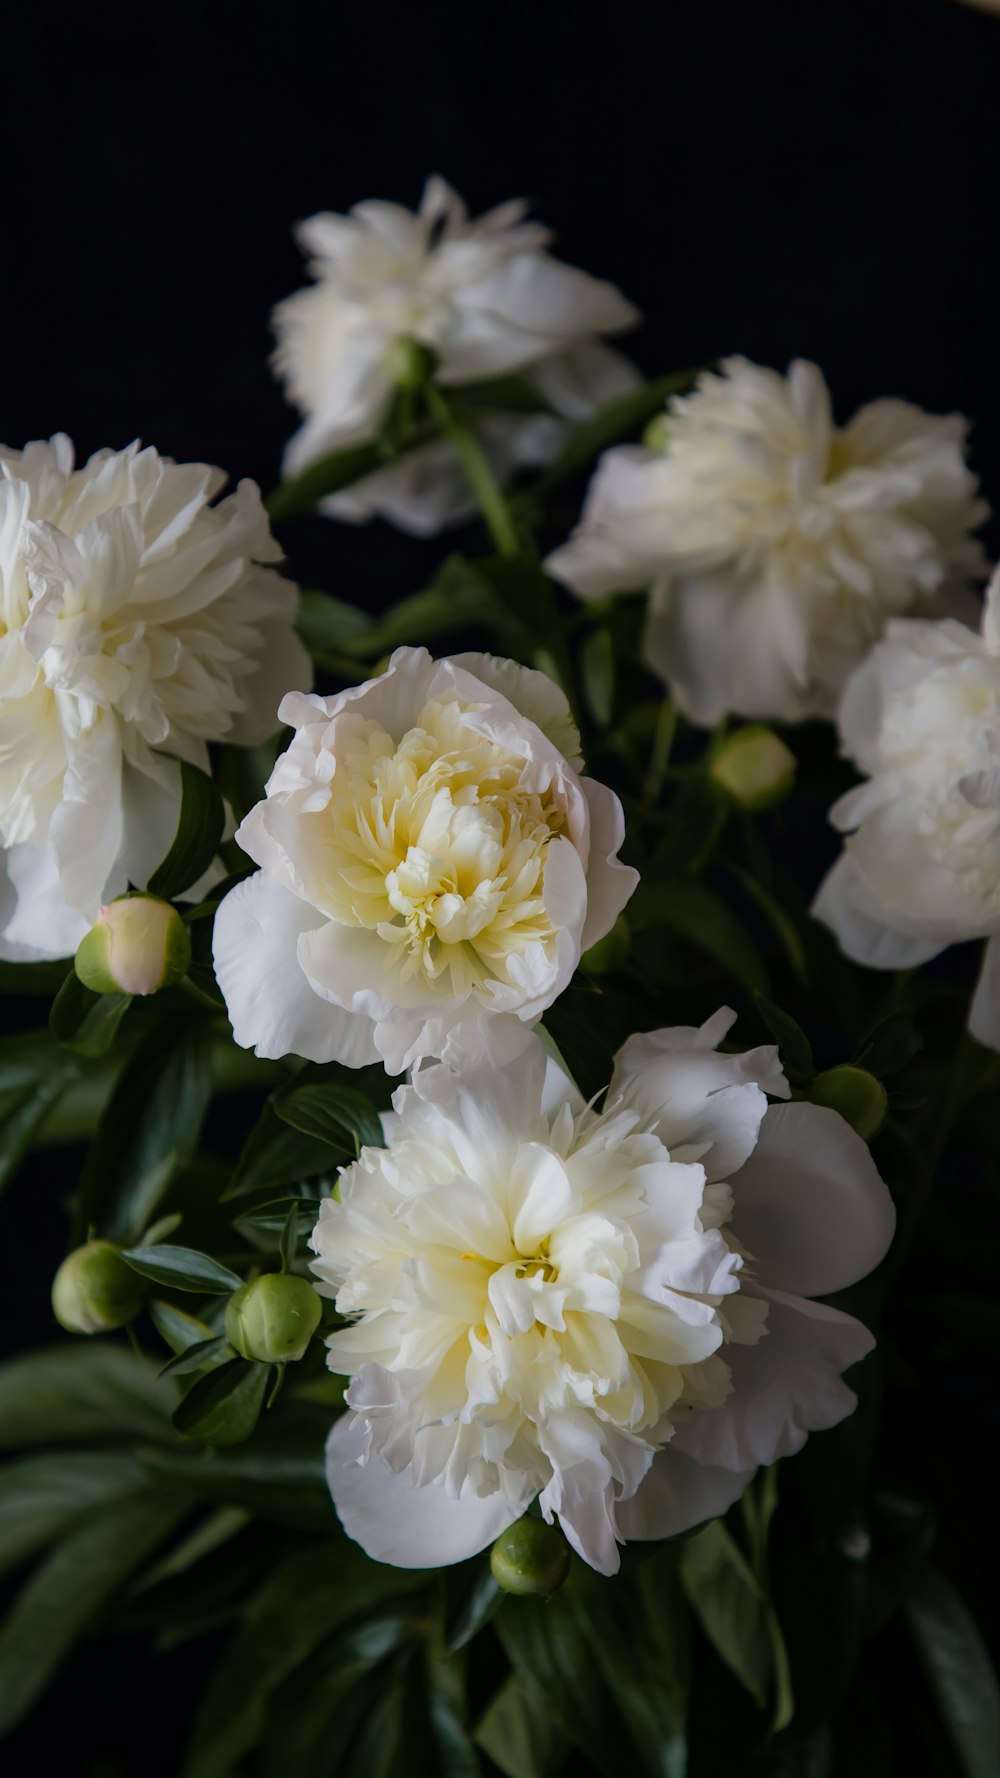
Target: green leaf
611,1660
728,1604
621,418
302,493
85,1021
306,1600
597,676
41,1497
277,1475
179,1329
62,1597
332,1114
519,1731
781,922
224,1407
199,832
959,1671
198,1357
270,1217
332,626
80,1390
276,1155
183,1268
25,1057
471,1598
24,1111
793,1044
889,1044
696,913
150,1127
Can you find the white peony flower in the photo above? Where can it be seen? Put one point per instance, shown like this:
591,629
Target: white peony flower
433,867
921,868
775,544
134,622
611,1311
486,297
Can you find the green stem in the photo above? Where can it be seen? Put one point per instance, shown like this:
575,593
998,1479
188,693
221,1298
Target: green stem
659,755
478,474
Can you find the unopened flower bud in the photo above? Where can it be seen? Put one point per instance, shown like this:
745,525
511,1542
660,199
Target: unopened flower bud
610,951
754,768
94,1291
136,945
657,435
856,1094
411,364
272,1319
530,1558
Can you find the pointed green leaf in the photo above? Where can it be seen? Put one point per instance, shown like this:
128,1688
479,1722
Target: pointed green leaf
223,1408
183,1268
199,833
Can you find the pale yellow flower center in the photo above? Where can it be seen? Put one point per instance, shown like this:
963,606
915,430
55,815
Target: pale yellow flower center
434,843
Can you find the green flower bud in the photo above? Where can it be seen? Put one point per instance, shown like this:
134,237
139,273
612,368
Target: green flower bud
94,1291
411,365
610,951
136,945
530,1558
754,768
856,1094
657,435
272,1319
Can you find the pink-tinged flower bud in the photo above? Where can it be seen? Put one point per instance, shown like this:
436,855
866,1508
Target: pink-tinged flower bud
94,1291
136,945
530,1558
754,768
272,1319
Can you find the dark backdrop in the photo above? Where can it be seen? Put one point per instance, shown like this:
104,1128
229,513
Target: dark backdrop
773,179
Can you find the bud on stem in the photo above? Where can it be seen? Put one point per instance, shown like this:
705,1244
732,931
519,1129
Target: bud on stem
137,944
754,768
94,1291
530,1558
856,1094
272,1319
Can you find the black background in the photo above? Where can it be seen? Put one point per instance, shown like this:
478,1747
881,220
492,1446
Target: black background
780,180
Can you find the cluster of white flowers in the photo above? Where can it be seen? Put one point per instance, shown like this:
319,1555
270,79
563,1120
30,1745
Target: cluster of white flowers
485,297
608,1310
921,868
775,545
135,622
611,1310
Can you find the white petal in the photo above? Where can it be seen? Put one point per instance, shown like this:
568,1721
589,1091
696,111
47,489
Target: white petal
786,1386
810,1204
677,1494
866,929
697,1099
272,1007
610,885
405,1526
984,1013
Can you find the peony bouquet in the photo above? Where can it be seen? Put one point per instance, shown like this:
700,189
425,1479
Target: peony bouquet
514,1128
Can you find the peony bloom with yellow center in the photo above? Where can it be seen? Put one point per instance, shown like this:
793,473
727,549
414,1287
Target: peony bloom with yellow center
433,865
611,1311
136,622
486,298
774,543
